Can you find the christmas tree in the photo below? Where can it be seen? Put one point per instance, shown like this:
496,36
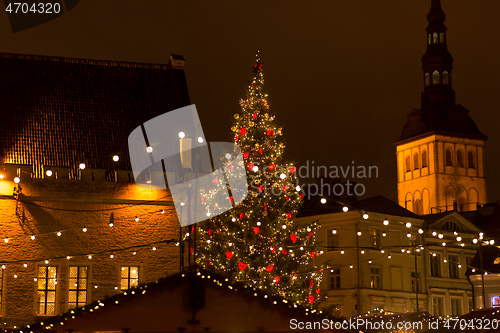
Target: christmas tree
257,242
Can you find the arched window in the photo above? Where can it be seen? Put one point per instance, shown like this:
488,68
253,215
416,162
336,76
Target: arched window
496,261
441,37
424,159
435,77
408,168
415,161
470,157
449,157
460,158
435,37
452,226
427,79
419,208
446,77
462,207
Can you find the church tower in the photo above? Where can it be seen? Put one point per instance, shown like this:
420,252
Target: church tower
440,156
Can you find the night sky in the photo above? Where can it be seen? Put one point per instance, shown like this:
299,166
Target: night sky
341,74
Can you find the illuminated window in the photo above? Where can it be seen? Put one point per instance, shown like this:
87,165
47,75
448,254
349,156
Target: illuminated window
333,240
435,262
77,286
375,238
441,37
47,276
375,278
424,159
129,277
429,39
470,156
435,37
435,77
427,79
460,158
446,77
449,157
415,161
335,278
408,165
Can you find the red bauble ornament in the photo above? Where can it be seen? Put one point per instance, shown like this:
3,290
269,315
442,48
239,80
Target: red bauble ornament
293,169
284,251
245,155
311,299
276,279
229,255
236,137
318,291
210,232
293,237
208,263
271,166
287,197
270,133
256,230
301,195
191,250
289,215
272,249
254,84
243,131
312,254
261,188
260,151
242,266
231,199
310,234
311,283
241,215
254,115
270,268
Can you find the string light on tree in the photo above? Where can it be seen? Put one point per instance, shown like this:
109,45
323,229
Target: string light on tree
256,242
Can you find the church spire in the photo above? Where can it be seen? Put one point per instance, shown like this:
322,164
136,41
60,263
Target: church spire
437,64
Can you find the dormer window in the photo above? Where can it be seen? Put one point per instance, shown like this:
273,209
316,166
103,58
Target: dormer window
441,37
435,37
451,226
446,77
435,77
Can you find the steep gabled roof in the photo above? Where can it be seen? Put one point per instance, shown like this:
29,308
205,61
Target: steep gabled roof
62,111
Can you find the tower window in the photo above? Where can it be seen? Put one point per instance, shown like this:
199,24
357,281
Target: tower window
424,159
427,79
419,208
441,37
435,37
449,157
435,77
408,167
470,156
415,161
429,39
446,77
460,158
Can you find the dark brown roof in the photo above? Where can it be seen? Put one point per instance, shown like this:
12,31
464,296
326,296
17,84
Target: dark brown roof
62,111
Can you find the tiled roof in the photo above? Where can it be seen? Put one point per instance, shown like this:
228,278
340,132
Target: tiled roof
62,111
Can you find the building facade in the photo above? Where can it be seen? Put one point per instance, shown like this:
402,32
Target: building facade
75,227
440,152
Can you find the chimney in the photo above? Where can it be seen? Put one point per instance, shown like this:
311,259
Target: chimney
177,61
